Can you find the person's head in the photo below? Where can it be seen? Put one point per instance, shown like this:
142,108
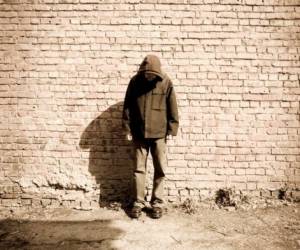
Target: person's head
151,68
150,76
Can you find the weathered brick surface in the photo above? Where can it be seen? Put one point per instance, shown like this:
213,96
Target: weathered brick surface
64,69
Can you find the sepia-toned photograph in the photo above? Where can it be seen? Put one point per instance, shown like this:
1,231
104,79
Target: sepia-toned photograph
150,124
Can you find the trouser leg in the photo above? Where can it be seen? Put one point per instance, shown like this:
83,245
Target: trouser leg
139,175
159,156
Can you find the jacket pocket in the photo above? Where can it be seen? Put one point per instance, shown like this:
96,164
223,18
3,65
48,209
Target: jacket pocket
158,100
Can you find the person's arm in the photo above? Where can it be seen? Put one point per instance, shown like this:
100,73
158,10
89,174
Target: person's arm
172,112
126,112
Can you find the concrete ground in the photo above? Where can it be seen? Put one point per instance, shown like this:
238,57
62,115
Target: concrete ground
261,228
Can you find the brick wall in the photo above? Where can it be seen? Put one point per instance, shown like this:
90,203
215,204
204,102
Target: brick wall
64,69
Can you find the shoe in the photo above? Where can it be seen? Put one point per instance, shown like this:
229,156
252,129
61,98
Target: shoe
135,212
156,212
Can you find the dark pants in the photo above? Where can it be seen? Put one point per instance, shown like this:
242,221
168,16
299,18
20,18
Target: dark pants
157,147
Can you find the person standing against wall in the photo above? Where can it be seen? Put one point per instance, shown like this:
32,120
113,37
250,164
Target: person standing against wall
150,117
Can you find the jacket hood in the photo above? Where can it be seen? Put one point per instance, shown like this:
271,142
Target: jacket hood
151,64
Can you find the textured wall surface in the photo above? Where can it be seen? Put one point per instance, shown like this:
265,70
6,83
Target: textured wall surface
64,70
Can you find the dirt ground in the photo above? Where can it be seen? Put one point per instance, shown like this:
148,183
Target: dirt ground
260,228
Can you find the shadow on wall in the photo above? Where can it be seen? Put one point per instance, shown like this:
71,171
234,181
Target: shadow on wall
111,155
26,234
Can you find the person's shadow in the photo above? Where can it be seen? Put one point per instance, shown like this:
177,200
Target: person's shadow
111,155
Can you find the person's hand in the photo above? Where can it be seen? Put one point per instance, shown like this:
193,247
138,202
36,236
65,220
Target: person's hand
129,137
169,137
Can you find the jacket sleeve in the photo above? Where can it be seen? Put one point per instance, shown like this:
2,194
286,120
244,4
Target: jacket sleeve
172,112
126,109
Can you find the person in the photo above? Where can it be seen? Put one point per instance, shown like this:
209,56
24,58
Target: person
150,117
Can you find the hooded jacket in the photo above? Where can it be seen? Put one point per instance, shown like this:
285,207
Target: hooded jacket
150,107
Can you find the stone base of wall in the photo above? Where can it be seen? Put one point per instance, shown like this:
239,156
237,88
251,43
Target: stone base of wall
86,202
